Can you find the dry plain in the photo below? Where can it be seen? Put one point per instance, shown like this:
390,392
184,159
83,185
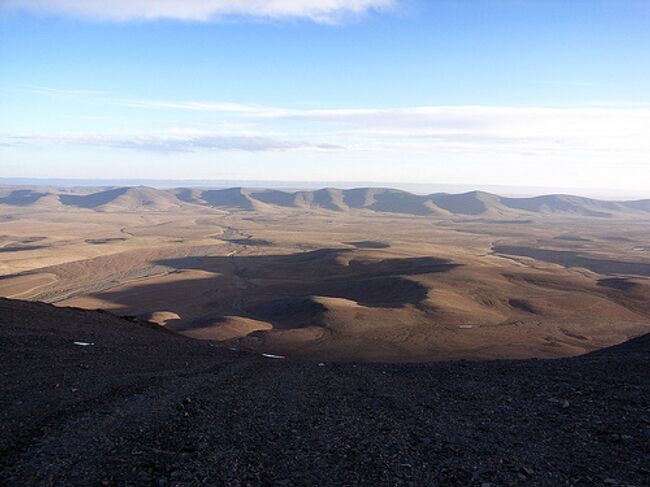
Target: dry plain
357,275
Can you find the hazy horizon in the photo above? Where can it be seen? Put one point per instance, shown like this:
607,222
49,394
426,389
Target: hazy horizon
416,188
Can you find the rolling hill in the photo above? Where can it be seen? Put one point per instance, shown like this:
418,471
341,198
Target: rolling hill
384,200
124,199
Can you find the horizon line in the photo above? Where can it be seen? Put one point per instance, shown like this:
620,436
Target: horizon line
300,185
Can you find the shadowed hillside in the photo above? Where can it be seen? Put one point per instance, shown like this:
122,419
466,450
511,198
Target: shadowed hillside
384,200
20,197
360,303
127,198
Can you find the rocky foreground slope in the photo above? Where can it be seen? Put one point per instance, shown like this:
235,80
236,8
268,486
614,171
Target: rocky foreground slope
140,406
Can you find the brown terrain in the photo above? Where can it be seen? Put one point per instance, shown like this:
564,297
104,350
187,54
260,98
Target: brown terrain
346,275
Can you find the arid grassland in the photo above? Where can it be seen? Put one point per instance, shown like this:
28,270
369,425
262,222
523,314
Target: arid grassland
368,274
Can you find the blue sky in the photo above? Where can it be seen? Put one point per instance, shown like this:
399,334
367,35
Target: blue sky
533,93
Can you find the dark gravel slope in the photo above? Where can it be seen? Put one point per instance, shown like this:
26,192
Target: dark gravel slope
144,407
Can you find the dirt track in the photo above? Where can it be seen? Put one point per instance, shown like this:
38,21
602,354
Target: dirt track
144,407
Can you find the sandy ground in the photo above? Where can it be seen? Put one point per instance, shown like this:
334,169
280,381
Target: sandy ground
342,286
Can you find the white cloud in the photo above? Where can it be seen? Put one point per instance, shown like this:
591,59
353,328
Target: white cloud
201,10
544,128
597,146
623,129
169,143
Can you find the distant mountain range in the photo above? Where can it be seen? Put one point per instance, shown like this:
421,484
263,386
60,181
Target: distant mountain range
385,200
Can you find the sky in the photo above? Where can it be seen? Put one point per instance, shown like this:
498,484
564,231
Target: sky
544,93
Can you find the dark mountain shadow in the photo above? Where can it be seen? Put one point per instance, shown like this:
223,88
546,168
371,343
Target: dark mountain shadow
378,292
187,195
22,197
463,204
643,205
20,248
229,198
393,201
288,313
280,289
92,200
568,259
329,199
521,305
253,242
275,197
618,283
357,198
369,244
572,238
